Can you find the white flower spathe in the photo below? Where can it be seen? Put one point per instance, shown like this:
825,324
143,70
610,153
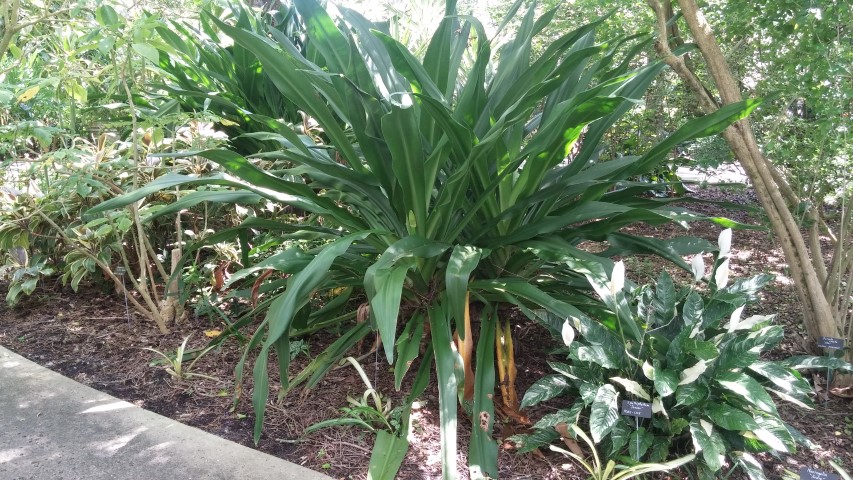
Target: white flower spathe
568,333
617,278
697,264
725,242
721,276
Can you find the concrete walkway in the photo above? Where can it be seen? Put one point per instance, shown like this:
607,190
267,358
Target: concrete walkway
733,173
54,428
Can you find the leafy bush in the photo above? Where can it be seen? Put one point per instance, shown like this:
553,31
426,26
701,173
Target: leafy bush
203,73
693,357
427,184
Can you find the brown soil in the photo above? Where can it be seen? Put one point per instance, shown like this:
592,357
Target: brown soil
87,336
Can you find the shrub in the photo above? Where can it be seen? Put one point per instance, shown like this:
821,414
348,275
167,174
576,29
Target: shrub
429,184
693,357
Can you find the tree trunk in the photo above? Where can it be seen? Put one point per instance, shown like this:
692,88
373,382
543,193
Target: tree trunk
819,316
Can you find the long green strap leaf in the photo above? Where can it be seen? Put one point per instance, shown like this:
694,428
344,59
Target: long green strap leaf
281,314
463,260
291,80
388,453
446,359
483,452
383,283
408,347
403,137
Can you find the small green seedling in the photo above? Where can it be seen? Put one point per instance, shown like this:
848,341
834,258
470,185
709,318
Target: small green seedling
176,367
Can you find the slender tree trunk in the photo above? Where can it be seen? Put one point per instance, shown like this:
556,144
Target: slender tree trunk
819,316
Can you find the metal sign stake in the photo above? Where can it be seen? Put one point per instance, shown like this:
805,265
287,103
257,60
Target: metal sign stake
120,272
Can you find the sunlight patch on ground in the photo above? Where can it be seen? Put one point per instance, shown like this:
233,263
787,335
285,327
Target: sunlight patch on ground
11,454
110,447
96,400
109,407
157,452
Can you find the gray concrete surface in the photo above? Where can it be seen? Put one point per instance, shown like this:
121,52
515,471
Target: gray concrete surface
54,428
733,173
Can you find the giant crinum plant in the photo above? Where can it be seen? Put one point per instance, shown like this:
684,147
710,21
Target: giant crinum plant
468,175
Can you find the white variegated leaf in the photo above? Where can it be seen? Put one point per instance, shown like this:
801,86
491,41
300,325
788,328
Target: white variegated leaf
753,321
735,319
707,426
657,407
648,371
632,387
689,375
771,440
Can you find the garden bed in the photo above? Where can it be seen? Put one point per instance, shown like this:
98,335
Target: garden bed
88,337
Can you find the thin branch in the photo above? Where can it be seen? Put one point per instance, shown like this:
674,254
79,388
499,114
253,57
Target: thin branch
40,19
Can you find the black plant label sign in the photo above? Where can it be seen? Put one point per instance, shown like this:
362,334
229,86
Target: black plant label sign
831,342
636,409
807,473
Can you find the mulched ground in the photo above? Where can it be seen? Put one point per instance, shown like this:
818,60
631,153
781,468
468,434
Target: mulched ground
88,337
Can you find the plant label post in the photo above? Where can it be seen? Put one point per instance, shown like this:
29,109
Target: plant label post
119,271
636,409
808,473
829,343
632,408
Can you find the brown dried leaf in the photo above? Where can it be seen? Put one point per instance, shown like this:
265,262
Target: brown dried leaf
563,430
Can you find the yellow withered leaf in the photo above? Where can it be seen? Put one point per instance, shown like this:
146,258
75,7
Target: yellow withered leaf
27,95
212,333
228,123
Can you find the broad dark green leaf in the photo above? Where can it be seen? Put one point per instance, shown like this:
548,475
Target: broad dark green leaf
545,388
690,394
665,297
701,349
107,16
538,439
692,309
666,382
639,443
730,417
707,439
743,350
569,416
385,294
619,437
